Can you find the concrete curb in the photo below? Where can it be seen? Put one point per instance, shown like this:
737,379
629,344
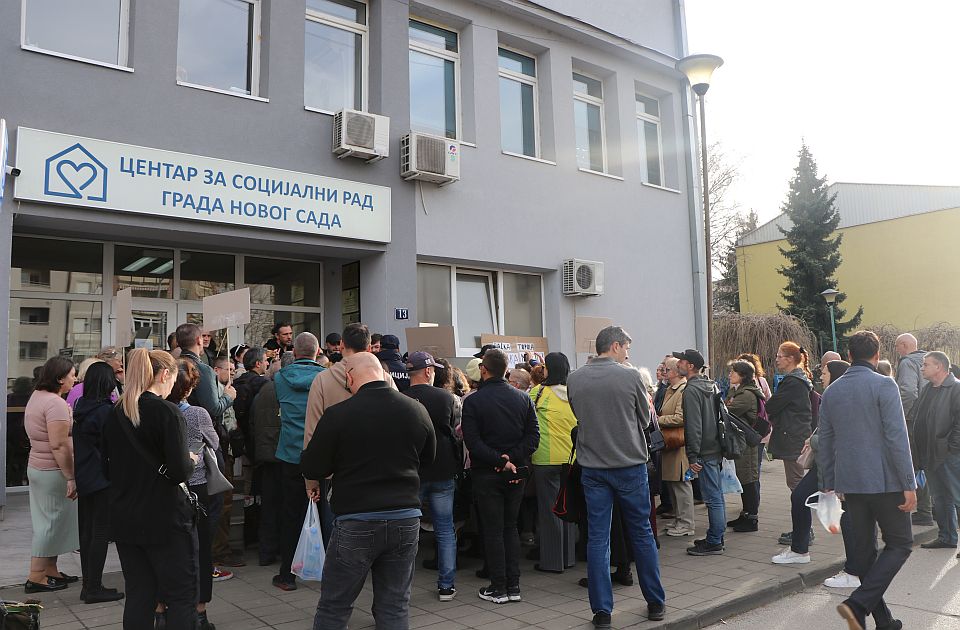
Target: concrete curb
766,595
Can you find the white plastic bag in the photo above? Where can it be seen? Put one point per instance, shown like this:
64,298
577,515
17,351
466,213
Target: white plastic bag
729,484
310,554
828,510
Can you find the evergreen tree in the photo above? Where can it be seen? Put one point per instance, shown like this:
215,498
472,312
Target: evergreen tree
813,253
726,292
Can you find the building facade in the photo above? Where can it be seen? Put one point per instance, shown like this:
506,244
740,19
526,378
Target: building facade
181,150
890,233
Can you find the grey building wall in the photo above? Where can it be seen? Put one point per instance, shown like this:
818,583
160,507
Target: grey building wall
506,212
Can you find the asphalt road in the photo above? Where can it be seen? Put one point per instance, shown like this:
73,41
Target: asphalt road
925,595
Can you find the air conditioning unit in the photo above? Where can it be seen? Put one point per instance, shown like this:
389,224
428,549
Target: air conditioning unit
361,135
582,277
429,158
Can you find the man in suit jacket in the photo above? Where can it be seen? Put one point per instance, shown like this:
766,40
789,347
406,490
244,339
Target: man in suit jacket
864,454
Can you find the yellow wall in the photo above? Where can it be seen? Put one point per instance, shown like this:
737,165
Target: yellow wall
904,272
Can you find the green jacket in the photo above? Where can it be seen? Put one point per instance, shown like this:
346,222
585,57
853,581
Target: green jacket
556,422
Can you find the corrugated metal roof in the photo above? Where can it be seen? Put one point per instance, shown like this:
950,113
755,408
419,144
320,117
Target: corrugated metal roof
860,204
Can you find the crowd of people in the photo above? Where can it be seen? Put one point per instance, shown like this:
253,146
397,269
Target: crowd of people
147,452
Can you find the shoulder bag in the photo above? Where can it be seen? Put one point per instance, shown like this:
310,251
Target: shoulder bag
732,439
570,505
216,481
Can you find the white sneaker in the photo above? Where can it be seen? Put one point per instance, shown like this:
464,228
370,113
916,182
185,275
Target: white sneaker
842,580
791,557
679,531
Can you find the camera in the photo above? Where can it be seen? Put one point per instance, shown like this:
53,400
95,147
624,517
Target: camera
13,170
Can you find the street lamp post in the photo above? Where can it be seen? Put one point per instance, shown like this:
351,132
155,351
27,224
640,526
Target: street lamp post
830,295
699,69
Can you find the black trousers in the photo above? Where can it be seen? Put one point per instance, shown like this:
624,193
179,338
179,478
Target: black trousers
499,502
205,532
166,573
867,512
269,476
93,519
293,509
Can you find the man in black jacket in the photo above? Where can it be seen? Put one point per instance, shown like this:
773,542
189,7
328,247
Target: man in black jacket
501,432
936,441
437,480
255,363
373,444
392,361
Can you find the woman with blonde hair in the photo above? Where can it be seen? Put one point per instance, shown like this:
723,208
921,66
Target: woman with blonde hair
152,513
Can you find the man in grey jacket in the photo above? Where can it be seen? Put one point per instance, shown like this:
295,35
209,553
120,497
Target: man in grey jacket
911,384
702,442
613,413
864,454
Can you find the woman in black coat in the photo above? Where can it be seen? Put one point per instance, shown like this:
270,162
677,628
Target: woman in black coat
790,411
90,413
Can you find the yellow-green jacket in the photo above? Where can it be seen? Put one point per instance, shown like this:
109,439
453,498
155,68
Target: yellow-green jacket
556,421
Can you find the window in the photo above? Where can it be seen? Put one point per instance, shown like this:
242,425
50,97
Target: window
77,266
335,55
434,80
479,302
218,45
282,282
149,272
33,350
588,123
37,316
94,30
649,144
518,103
203,274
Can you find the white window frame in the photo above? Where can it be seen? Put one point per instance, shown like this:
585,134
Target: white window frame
444,54
656,120
519,77
363,30
254,53
123,43
495,277
593,100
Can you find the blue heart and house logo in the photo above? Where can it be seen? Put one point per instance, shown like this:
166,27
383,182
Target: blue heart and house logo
75,173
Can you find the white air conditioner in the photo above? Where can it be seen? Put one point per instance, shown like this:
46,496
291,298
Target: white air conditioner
429,158
582,277
361,135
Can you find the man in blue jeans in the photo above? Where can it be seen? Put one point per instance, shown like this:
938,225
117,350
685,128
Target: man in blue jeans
702,441
613,413
437,479
373,444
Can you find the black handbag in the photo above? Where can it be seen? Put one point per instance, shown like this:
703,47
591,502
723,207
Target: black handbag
20,615
570,505
655,439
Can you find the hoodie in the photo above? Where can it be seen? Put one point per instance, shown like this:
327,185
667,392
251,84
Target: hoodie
293,385
556,420
700,435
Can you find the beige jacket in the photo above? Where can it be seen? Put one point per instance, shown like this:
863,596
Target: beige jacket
673,463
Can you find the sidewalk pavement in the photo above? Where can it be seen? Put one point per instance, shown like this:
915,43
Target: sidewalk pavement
700,590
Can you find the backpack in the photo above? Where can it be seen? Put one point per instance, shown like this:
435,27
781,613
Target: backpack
733,440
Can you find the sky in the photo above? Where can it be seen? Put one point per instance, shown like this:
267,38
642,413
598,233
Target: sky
871,86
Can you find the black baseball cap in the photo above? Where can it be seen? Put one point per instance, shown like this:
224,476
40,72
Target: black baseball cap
390,342
483,350
690,356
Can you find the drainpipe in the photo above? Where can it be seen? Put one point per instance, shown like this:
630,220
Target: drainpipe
694,209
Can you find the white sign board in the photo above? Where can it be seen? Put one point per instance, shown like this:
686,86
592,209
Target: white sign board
226,310
76,171
4,146
123,324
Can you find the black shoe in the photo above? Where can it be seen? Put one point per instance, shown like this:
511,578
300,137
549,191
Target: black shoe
284,585
266,561
737,520
203,623
583,582
100,596
918,519
664,509
705,550
431,563
748,524
893,624
656,612
63,577
488,593
537,567
513,593
37,587
624,578
601,620
483,573
938,544
786,538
